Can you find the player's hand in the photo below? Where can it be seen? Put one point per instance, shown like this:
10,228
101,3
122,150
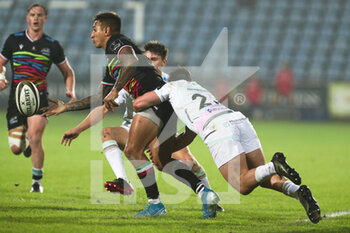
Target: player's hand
55,109
69,136
71,96
109,100
3,84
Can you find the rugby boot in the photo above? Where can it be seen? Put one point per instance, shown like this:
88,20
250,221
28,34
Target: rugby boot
283,169
36,188
309,203
210,202
27,152
119,186
152,210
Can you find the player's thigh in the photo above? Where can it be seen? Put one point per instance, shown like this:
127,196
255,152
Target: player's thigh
255,158
142,132
251,144
36,127
233,169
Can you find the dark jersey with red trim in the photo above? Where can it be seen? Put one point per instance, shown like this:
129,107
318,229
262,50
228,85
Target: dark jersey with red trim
145,77
31,60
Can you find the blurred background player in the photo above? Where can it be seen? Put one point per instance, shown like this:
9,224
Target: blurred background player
284,84
231,140
31,53
158,54
254,91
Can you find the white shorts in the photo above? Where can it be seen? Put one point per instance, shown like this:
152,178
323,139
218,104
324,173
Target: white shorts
229,138
151,115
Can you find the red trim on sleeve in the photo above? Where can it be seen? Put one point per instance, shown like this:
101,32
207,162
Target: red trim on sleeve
64,61
3,57
123,47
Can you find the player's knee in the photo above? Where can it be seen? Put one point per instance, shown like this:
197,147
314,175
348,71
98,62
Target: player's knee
132,152
34,139
17,142
16,150
106,133
244,190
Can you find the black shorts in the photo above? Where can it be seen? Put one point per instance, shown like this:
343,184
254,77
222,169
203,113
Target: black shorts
147,79
14,118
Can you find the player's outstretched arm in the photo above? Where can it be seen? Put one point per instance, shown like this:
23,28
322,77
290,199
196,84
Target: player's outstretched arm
184,139
146,100
69,79
129,61
93,118
59,107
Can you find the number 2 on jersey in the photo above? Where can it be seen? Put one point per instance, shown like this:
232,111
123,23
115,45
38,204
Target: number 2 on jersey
203,99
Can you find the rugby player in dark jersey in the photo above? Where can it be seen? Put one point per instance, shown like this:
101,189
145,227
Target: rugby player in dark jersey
134,75
31,54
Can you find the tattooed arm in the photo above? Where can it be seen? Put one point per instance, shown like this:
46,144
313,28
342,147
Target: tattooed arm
85,103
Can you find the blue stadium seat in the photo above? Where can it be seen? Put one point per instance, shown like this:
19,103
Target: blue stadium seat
303,32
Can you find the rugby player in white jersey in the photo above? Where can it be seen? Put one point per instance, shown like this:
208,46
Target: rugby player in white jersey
158,54
231,139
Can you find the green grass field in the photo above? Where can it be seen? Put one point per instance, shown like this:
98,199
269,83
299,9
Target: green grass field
319,151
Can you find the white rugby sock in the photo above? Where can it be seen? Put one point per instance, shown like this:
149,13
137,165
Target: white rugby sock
205,181
115,158
154,201
200,189
203,177
290,189
37,174
264,171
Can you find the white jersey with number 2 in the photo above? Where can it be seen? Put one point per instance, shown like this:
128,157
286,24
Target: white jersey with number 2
193,104
227,133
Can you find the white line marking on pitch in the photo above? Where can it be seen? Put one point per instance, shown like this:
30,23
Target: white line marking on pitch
331,215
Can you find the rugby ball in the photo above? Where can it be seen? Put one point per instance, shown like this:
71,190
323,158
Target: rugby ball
27,98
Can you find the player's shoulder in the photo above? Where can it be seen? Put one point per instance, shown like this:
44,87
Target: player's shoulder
183,86
116,42
49,39
181,83
17,35
174,85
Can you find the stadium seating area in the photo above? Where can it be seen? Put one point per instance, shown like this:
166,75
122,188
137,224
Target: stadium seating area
311,35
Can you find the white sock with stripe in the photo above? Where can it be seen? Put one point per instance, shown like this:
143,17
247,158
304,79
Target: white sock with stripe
115,158
290,189
264,171
203,177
